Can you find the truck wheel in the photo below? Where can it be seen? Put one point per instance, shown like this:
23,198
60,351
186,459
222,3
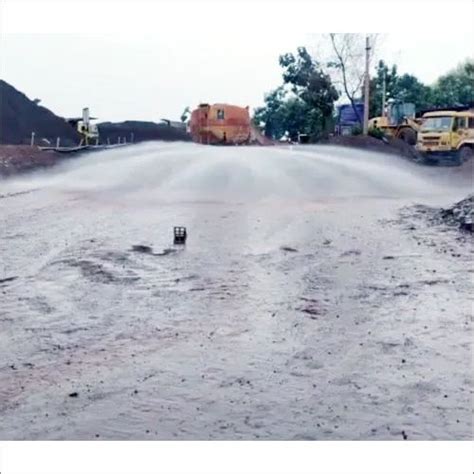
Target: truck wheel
465,154
408,135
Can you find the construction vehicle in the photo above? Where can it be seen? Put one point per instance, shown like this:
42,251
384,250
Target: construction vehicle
447,136
398,121
89,131
220,124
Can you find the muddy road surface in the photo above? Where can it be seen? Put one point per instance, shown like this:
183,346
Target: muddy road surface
302,307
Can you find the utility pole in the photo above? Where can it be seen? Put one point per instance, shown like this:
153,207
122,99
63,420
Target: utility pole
384,92
366,87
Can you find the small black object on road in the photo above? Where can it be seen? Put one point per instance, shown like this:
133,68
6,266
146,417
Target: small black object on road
142,248
180,235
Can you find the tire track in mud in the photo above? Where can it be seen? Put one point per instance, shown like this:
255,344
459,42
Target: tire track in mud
18,193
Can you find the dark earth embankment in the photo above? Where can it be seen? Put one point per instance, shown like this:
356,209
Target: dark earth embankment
392,146
20,116
138,131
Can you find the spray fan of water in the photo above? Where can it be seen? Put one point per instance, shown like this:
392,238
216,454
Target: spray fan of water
177,172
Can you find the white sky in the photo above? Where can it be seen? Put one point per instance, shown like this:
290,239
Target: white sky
145,60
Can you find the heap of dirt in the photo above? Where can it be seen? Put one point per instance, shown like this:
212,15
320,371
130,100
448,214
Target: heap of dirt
258,138
393,146
20,116
138,131
18,158
460,215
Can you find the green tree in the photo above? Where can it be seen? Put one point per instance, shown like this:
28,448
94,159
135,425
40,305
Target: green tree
404,88
271,117
284,113
390,76
456,87
410,89
313,87
297,117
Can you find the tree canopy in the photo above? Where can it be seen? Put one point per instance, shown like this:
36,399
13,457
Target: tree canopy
304,104
456,87
404,88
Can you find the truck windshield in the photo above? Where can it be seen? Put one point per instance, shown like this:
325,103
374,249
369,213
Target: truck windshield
440,124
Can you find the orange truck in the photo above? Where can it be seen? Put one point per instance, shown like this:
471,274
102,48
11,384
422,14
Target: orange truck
222,124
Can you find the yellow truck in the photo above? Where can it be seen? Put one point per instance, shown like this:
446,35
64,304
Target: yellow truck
446,136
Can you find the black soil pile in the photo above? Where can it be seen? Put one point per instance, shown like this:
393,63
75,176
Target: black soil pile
19,116
393,146
459,215
138,131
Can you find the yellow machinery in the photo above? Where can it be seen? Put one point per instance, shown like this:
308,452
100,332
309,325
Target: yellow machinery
398,121
89,131
447,135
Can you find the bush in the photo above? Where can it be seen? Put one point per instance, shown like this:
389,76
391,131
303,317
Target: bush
376,133
356,130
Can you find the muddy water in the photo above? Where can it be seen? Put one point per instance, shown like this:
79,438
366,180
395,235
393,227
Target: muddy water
302,307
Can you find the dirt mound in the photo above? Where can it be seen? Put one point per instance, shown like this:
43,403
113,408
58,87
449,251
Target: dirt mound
140,131
461,214
257,137
393,146
18,158
19,116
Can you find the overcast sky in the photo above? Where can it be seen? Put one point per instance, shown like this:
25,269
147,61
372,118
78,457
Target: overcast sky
147,60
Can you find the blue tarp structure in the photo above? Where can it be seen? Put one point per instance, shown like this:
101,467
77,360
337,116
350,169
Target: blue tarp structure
347,115
347,118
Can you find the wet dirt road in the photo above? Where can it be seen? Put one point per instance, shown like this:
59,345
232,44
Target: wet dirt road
302,307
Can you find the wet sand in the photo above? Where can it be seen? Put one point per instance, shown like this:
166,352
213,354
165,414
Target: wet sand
303,306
